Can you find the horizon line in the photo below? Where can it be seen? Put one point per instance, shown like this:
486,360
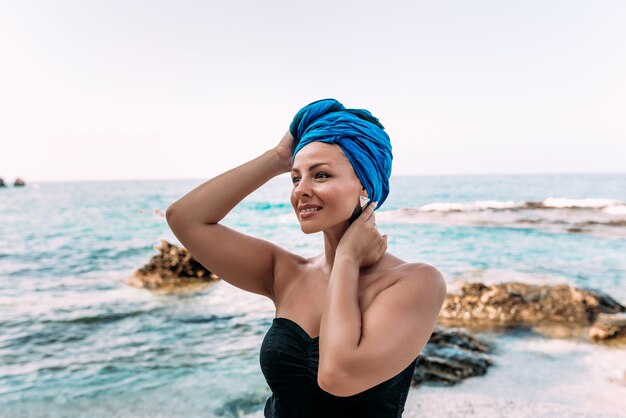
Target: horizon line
566,173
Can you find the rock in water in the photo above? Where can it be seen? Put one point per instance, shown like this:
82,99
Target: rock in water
515,303
2,182
172,268
450,356
608,327
19,182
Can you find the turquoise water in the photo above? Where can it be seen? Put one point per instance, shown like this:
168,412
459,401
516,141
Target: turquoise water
75,340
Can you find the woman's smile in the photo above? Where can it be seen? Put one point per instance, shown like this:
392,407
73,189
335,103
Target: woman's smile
308,212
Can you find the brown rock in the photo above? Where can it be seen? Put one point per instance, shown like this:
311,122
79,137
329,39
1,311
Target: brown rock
515,303
172,268
608,327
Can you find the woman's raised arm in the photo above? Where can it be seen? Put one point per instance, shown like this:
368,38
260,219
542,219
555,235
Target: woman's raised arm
243,261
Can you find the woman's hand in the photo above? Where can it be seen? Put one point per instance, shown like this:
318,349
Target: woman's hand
285,149
362,241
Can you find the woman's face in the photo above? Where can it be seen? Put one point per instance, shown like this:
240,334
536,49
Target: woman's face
323,179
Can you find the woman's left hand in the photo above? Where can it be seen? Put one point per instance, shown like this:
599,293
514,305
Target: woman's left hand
362,241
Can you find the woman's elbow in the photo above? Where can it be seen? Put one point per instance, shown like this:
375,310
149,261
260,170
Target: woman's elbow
172,217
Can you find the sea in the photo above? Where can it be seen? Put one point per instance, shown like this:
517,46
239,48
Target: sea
77,341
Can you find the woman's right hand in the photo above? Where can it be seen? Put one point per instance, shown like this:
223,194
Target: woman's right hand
285,149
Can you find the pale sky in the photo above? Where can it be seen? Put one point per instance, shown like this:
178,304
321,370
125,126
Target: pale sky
97,90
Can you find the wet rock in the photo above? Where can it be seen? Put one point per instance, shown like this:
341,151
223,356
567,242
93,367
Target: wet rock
534,205
243,405
173,267
19,182
450,356
2,182
515,303
608,327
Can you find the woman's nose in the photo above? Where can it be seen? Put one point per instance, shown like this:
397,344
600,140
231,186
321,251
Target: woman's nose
302,188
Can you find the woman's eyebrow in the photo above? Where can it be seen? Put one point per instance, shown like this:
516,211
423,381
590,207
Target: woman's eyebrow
294,169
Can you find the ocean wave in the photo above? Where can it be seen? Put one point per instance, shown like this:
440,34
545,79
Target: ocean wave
606,205
202,319
104,318
604,217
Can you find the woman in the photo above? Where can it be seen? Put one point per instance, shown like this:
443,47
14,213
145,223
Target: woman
349,322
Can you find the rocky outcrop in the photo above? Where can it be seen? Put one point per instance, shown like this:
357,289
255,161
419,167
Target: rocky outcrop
608,327
173,267
515,303
19,182
2,182
450,356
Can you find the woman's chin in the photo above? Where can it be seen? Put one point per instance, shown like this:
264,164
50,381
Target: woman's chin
308,229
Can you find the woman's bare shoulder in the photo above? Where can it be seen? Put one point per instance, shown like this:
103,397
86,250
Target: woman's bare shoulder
287,259
425,274
406,270
389,264
290,265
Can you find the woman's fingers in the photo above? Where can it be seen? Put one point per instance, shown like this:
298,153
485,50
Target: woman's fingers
378,242
368,212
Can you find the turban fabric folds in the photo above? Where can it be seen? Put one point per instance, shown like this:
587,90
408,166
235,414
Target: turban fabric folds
357,132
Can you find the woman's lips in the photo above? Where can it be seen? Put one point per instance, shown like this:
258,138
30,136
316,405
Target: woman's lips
304,215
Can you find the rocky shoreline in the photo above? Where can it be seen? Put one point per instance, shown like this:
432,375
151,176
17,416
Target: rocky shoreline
452,353
559,310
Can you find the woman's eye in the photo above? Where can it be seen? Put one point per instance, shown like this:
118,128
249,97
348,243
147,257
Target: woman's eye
321,174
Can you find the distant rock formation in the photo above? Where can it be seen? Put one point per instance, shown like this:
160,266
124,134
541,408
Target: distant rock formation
19,182
2,182
172,268
450,356
526,304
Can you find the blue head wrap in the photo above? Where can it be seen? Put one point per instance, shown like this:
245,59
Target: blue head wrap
359,134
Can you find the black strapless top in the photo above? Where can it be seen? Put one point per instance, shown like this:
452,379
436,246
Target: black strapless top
289,360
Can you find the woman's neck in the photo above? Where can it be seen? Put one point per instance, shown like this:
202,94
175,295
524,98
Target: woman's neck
332,236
